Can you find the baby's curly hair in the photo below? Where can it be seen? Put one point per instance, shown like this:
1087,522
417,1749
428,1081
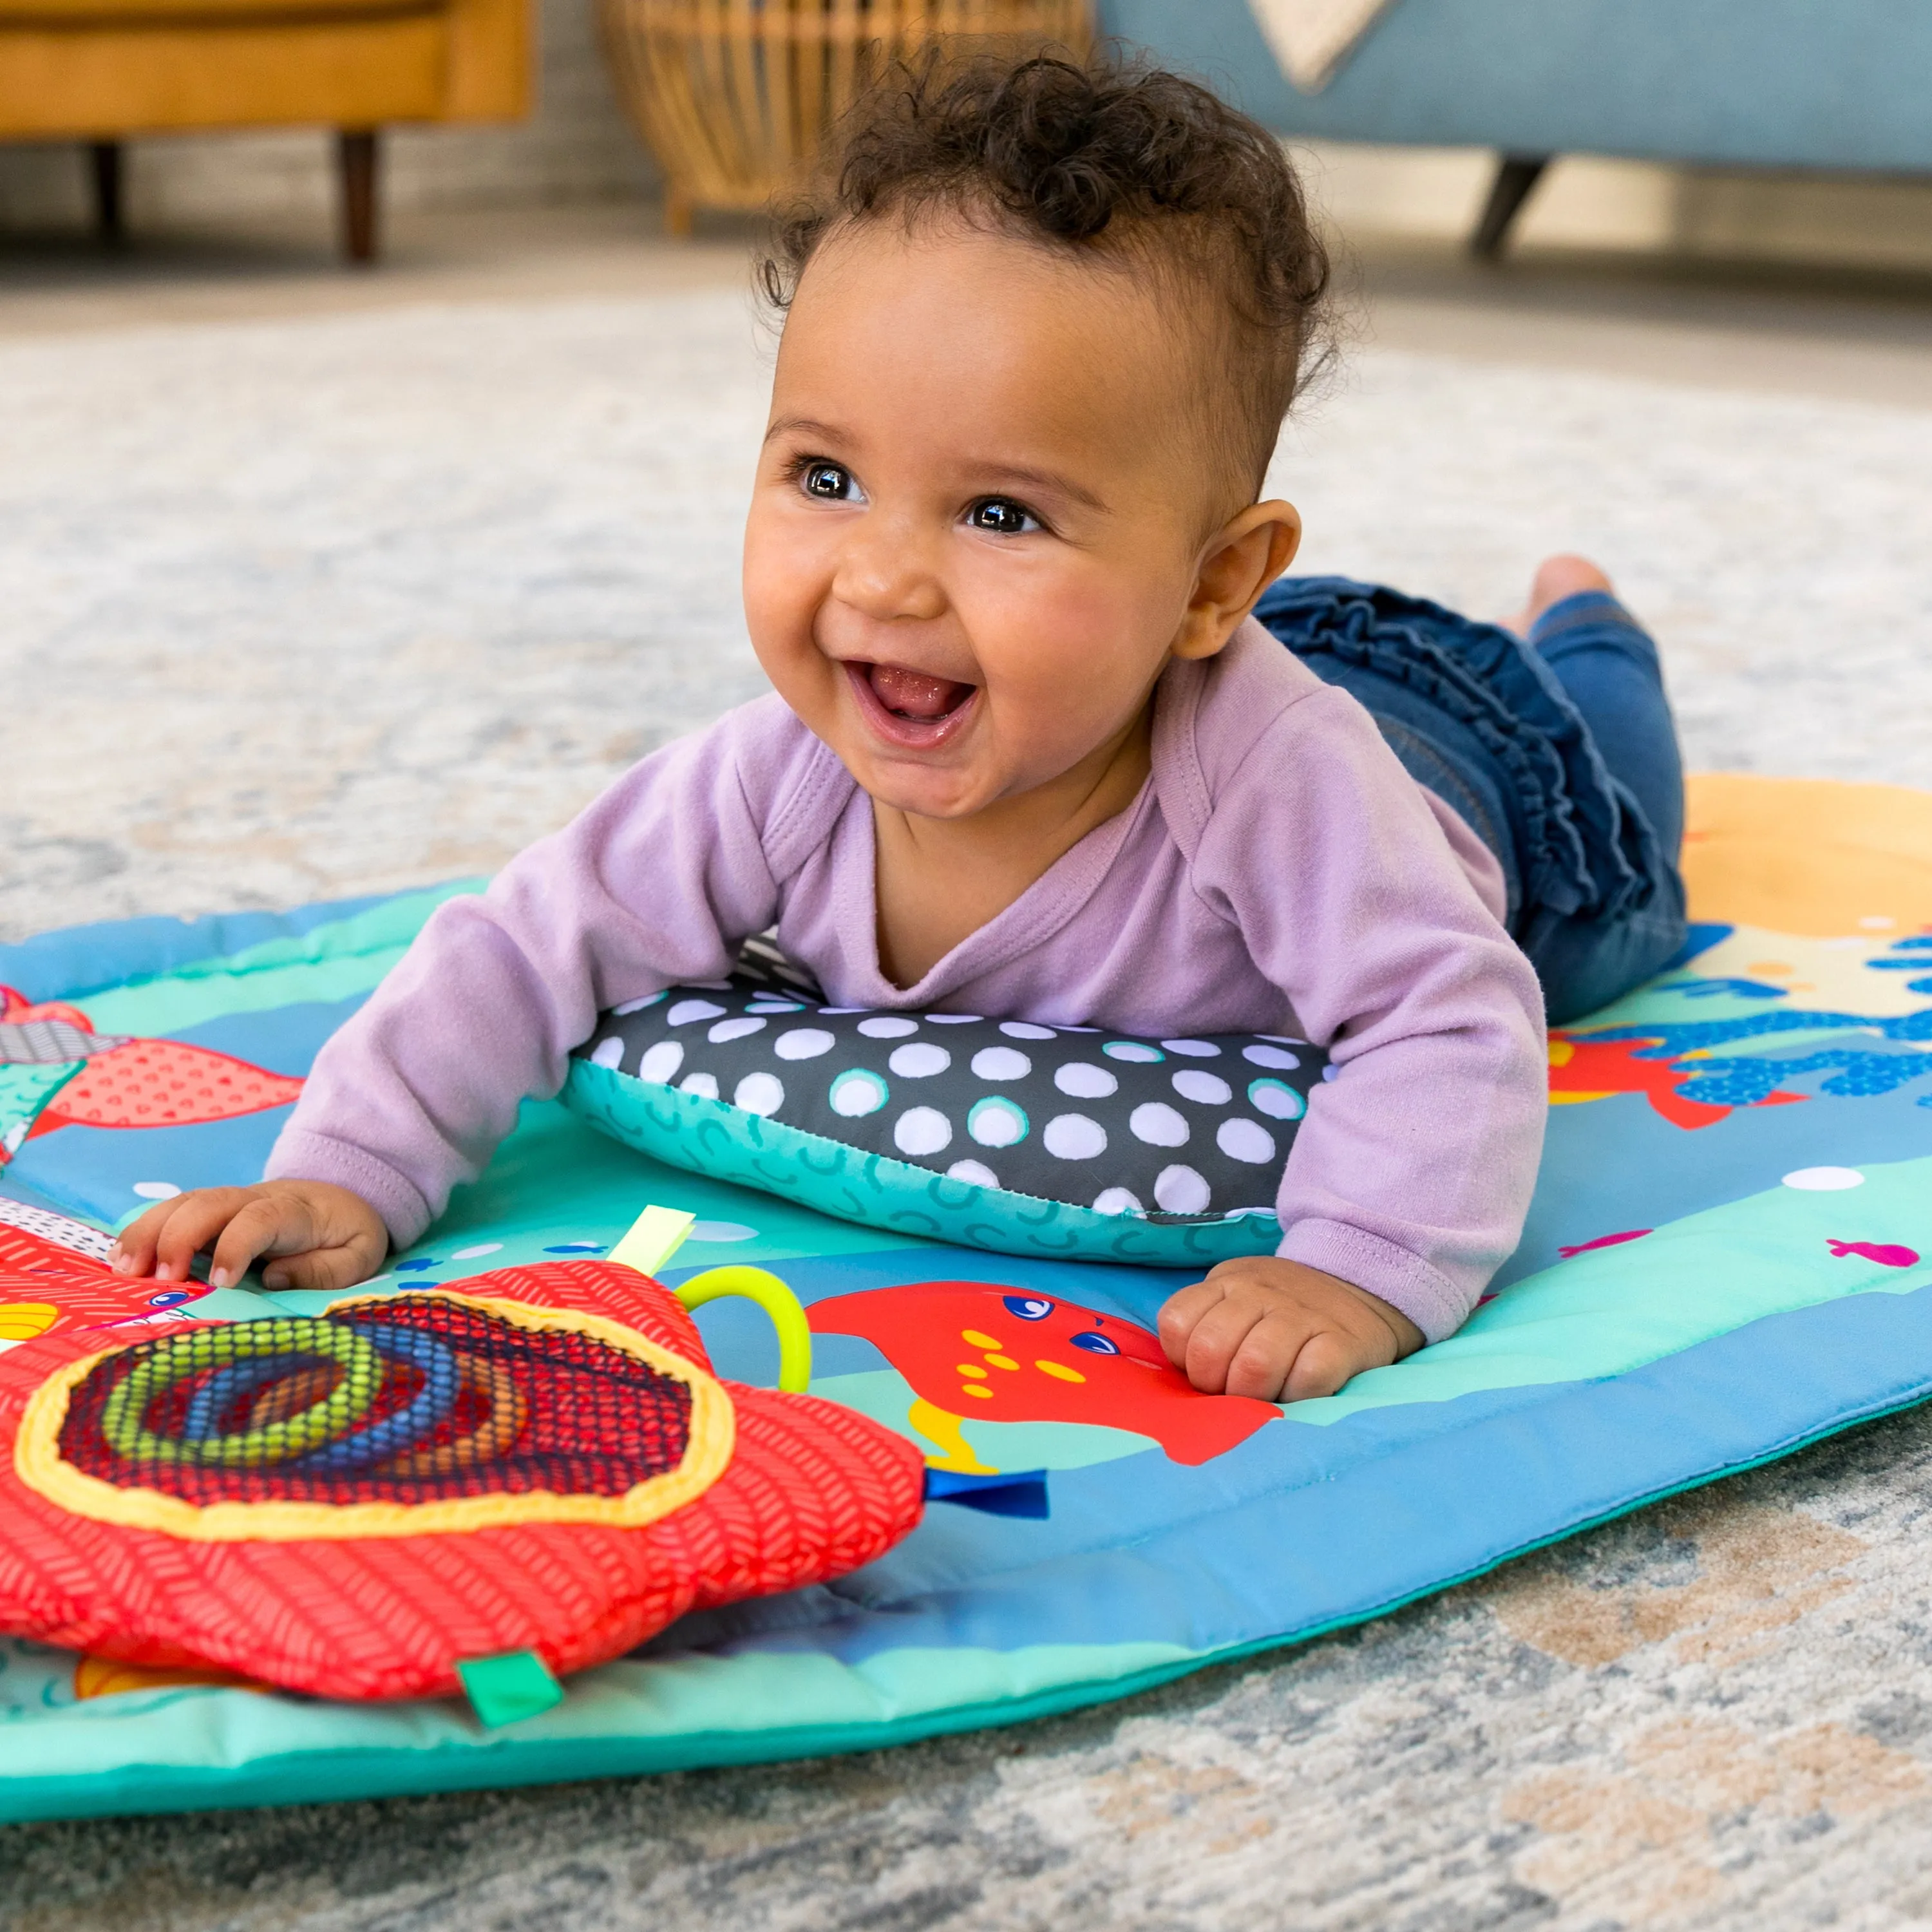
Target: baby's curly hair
1108,159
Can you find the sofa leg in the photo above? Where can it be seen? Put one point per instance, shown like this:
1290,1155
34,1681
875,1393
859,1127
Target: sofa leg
358,159
1517,177
108,168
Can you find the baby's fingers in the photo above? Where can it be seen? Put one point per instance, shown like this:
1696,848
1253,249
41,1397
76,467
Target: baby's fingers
1180,1314
1326,1362
1228,1352
1263,1363
134,1250
195,1220
266,1224
325,1270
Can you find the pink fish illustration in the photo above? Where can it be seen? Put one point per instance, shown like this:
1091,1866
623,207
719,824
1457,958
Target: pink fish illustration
1887,1254
1604,1241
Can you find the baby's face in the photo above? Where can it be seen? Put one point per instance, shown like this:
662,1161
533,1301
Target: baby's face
979,512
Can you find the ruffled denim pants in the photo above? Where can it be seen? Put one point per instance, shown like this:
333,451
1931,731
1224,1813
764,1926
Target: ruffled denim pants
1560,754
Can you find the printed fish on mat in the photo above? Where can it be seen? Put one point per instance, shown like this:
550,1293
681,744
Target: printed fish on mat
1887,1254
1602,1241
120,1082
1591,1070
976,1352
53,1276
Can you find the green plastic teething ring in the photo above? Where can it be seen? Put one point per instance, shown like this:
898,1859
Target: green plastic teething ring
181,1356
756,1284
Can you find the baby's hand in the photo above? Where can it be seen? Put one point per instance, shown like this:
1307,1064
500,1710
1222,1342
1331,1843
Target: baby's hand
1265,1326
321,1236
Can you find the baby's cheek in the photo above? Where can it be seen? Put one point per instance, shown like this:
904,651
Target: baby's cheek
780,610
778,601
1071,668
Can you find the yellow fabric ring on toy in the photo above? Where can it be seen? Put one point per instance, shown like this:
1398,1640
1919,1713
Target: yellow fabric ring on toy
778,1301
180,1356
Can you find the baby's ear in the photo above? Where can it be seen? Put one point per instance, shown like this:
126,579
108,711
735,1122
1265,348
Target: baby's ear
1237,563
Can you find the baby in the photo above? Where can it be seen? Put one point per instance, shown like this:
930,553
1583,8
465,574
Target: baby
1031,755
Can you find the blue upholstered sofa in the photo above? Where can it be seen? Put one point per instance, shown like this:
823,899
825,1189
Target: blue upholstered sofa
1834,85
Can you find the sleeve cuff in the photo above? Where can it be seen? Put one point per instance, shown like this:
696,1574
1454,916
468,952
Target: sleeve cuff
1434,1303
299,1155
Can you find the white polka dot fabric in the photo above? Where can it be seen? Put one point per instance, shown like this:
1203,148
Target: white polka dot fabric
1190,1128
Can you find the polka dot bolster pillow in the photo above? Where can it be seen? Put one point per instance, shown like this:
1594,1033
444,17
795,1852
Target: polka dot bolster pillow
1027,1139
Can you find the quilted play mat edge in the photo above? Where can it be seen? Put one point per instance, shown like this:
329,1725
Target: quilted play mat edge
330,1773
1757,1392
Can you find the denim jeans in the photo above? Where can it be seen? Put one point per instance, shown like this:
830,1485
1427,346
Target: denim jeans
1560,754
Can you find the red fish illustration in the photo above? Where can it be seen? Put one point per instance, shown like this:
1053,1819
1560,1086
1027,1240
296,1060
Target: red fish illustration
53,1276
1887,1254
127,1083
1605,1241
16,1009
999,1354
1591,1070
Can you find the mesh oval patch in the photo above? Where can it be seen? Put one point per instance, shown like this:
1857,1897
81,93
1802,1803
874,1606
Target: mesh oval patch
443,1401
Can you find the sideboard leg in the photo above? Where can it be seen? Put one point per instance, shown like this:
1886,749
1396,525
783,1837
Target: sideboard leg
1517,177
677,213
107,163
357,157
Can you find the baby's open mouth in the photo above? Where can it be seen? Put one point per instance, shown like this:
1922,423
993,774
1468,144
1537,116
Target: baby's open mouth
911,707
916,694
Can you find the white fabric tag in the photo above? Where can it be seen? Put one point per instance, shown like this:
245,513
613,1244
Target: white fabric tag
1312,38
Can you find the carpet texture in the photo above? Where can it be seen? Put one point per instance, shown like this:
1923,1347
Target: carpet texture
303,609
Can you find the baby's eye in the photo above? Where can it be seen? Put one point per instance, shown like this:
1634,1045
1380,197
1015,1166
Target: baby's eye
1003,517
830,482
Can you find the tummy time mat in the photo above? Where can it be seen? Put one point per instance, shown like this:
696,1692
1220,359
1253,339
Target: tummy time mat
1729,1255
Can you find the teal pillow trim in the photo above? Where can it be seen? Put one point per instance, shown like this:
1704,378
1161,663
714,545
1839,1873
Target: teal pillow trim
727,1143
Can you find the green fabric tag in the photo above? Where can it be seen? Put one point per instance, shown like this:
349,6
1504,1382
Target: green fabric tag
503,1689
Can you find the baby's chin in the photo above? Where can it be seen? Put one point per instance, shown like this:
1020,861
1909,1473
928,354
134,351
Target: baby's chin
951,791
958,790
958,781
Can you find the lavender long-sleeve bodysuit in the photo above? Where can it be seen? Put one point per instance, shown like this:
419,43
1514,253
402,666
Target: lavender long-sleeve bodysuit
1279,873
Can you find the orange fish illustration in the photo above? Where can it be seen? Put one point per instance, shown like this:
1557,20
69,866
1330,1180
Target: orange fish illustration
1592,1069
120,1082
1001,1354
104,1676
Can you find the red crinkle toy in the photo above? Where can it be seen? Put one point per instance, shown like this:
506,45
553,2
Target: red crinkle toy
540,1459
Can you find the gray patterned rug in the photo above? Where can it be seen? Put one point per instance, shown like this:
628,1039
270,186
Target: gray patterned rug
303,609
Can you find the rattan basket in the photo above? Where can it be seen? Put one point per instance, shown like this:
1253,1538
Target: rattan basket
733,96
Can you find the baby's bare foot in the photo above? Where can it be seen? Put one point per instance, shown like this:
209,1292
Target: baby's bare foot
1556,578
